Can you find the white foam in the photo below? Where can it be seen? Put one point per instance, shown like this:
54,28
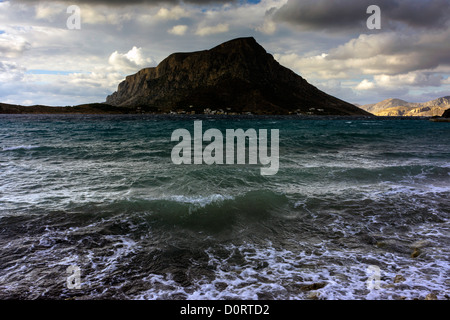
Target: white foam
268,271
19,148
201,201
345,274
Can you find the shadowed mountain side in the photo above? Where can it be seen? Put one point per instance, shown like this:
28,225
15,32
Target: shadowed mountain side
444,118
446,114
238,75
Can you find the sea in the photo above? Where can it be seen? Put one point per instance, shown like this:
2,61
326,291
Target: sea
93,207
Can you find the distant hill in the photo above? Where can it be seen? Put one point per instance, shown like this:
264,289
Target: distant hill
401,108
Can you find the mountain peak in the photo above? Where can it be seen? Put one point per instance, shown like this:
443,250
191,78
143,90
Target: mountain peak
238,75
241,42
247,40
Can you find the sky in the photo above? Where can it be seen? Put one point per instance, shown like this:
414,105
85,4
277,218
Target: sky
46,58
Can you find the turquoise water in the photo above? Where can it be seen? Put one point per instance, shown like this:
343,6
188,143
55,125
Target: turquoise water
102,193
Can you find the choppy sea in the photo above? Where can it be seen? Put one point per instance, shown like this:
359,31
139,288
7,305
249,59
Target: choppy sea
359,209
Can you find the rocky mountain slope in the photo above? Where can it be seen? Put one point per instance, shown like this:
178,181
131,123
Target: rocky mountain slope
399,108
238,76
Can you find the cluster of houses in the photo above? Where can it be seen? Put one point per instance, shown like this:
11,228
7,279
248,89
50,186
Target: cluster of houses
210,111
311,111
228,111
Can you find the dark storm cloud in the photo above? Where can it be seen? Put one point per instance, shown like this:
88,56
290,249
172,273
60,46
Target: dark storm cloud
426,14
350,14
130,2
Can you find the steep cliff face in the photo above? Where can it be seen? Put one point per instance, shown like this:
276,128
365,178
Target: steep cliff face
239,75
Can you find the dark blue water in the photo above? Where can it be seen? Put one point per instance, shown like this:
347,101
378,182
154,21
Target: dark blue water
352,195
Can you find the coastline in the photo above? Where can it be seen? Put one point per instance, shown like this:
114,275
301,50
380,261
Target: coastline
106,109
440,119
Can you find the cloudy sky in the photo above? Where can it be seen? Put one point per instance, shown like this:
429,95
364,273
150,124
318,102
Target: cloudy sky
43,61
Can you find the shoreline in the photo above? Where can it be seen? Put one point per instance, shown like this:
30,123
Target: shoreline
231,116
102,109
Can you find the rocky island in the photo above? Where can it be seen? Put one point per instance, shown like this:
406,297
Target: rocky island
238,76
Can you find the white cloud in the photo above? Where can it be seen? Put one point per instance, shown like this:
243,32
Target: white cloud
268,27
12,46
365,85
220,28
419,79
131,61
102,15
369,45
410,79
57,90
48,11
10,71
174,13
98,78
314,67
178,30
